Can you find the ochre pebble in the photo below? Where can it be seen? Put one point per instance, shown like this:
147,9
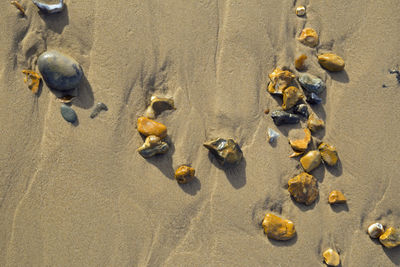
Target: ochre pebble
184,174
328,153
148,127
331,257
390,238
314,123
309,37
32,79
303,188
300,145
331,62
299,63
280,79
311,160
291,96
336,197
278,228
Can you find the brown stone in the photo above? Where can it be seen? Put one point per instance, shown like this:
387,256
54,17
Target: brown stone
300,145
184,174
303,188
390,238
299,62
278,228
331,62
158,105
328,153
314,123
280,79
148,127
336,197
309,37
291,96
311,160
331,257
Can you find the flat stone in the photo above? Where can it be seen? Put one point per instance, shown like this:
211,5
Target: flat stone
311,160
303,188
153,146
299,62
328,153
291,96
184,174
282,117
68,113
59,71
280,80
336,197
148,127
272,136
331,62
227,151
313,99
390,238
300,145
331,257
302,110
314,123
309,37
311,83
375,230
277,228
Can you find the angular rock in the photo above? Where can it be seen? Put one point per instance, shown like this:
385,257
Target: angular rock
59,71
291,96
158,105
300,145
32,79
390,238
184,174
282,117
280,79
331,257
331,62
296,154
272,136
314,123
227,151
311,83
375,230
148,127
336,197
328,153
303,188
309,37
314,99
68,113
299,63
301,109
278,228
153,146
311,160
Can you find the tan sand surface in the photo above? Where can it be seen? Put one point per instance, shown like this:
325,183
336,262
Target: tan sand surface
82,196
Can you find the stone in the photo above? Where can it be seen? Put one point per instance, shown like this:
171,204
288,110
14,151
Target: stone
299,63
97,109
311,160
328,153
153,146
311,83
184,174
227,151
390,238
300,145
49,8
375,230
331,257
302,110
282,117
295,154
280,80
331,62
303,188
277,228
68,113
66,98
314,123
336,197
313,99
291,96
59,71
148,127
32,79
300,11
272,136
309,37
158,105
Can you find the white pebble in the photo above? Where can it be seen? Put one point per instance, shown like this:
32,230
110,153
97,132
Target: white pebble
375,230
300,11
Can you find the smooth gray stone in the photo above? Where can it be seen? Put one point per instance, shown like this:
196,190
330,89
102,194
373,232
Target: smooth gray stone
311,83
68,113
59,71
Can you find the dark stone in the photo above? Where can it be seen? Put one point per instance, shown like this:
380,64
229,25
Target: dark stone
160,148
225,150
68,113
99,107
283,117
311,83
301,109
314,99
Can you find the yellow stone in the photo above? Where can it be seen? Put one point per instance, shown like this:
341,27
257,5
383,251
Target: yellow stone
299,62
32,79
311,160
291,96
300,145
184,174
303,188
309,37
280,79
331,257
336,197
328,154
390,238
314,123
148,127
295,154
331,62
278,228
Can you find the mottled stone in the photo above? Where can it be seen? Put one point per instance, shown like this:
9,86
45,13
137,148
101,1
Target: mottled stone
311,160
32,79
153,146
375,230
59,71
331,257
309,37
282,117
331,62
390,238
311,83
278,228
291,96
158,105
272,136
68,113
225,150
328,153
148,127
313,99
303,188
300,11
301,109
299,62
184,174
314,123
300,145
280,80
336,197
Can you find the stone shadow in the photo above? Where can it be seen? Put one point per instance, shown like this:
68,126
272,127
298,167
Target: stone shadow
57,21
339,207
192,187
236,174
164,161
336,170
283,243
393,254
340,76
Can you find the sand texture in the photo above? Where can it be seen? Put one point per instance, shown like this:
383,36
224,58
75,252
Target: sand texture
80,195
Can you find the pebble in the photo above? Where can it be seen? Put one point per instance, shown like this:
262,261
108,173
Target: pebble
301,109
49,8
272,136
153,146
314,123
158,105
148,127
68,113
299,63
311,160
277,228
291,96
303,188
314,99
390,238
331,257
328,153
97,109
331,62
336,197
32,79
295,154
300,145
184,174
309,37
225,150
280,79
300,11
59,71
282,117
66,98
311,83
375,230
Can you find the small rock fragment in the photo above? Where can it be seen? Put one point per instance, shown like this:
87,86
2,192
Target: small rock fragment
291,96
49,8
311,160
314,99
394,71
390,238
158,105
272,136
66,98
148,127
97,109
300,11
309,37
300,145
280,79
328,153
314,123
68,113
331,62
184,174
282,117
19,7
278,228
301,109
311,83
303,188
266,111
32,79
153,146
331,257
299,62
336,197
375,230
225,150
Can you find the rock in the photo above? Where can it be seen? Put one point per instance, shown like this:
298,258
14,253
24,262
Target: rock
49,8
153,146
375,230
278,228
336,197
311,160
309,37
158,105
184,174
300,145
65,98
303,188
301,109
59,71
390,238
311,83
225,150
300,11
314,123
314,99
282,117
291,96
148,127
280,79
68,113
97,109
328,154
272,136
32,79
299,62
295,154
331,62
331,257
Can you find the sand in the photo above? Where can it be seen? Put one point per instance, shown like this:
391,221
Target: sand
82,196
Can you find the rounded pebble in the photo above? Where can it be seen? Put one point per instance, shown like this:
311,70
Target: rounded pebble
331,62
331,257
311,160
148,127
309,37
303,188
68,113
375,230
278,228
184,174
300,11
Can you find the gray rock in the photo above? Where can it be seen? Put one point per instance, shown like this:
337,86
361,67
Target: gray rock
59,71
282,117
160,148
314,99
272,136
301,109
311,83
68,113
225,150
99,107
